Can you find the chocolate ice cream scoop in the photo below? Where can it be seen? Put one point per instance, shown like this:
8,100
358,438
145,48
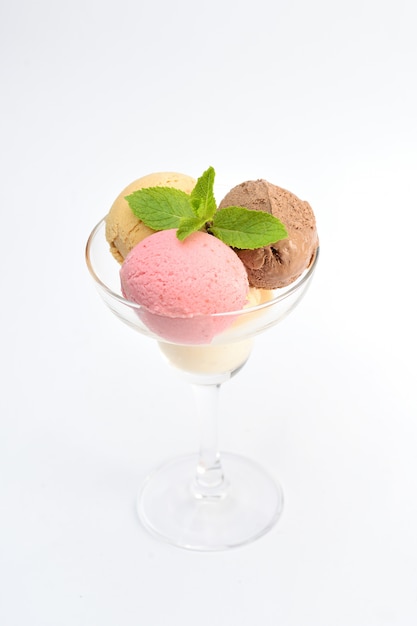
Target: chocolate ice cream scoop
281,263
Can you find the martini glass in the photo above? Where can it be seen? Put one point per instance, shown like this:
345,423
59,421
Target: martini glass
204,501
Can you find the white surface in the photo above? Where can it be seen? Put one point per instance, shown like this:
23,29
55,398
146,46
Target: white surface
318,97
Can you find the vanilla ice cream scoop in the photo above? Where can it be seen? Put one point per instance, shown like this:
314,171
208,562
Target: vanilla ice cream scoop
123,229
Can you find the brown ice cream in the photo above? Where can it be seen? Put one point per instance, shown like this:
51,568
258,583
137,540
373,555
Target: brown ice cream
279,264
123,229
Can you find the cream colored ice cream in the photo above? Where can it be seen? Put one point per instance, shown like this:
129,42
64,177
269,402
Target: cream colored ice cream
216,358
208,359
123,229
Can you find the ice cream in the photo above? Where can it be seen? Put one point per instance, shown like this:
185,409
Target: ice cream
177,280
189,284
281,263
123,229
208,359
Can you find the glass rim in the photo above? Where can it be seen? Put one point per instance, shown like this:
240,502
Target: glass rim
278,297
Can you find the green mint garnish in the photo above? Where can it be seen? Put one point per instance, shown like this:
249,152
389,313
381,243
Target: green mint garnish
246,229
189,225
161,208
202,196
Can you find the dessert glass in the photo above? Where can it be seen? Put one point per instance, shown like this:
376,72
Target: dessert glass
205,501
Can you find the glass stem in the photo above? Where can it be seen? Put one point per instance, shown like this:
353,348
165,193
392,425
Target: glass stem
209,481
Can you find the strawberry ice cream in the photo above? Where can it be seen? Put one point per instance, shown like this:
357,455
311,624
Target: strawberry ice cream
177,280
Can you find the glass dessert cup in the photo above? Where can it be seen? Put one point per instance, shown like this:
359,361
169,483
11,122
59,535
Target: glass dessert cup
205,501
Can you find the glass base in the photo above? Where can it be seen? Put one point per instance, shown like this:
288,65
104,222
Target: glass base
168,508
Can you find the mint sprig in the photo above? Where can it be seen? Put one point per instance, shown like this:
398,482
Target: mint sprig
162,208
189,225
246,229
202,196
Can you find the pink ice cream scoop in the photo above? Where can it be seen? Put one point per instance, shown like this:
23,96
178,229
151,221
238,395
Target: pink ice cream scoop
180,283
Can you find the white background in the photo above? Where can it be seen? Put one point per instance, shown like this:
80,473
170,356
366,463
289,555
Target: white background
317,97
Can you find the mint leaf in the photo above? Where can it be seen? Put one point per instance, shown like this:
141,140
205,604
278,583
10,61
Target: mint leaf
202,196
160,208
246,229
189,225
